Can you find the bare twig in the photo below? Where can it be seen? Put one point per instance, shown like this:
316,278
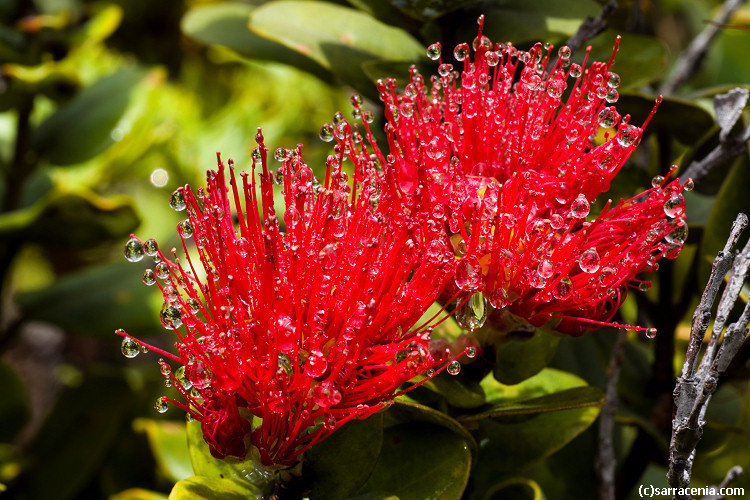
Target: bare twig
591,27
692,57
733,474
697,384
728,109
605,458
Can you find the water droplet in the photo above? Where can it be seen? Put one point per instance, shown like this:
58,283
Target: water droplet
492,58
644,286
134,250
657,181
179,374
177,200
445,69
325,395
679,234
473,313
471,352
161,404
185,228
130,347
330,422
162,270
434,150
689,185
316,364
562,289
326,132
575,70
461,51
170,293
149,277
555,88
328,256
675,206
171,317
564,52
651,333
468,274
546,269
628,135
454,367
434,51
198,374
580,207
608,117
589,261
613,80
279,154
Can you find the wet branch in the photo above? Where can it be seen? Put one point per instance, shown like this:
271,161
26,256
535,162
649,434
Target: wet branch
697,383
591,27
692,57
605,459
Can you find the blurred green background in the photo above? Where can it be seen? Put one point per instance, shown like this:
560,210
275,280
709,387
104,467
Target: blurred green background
107,107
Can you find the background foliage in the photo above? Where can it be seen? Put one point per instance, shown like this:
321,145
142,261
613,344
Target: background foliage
106,107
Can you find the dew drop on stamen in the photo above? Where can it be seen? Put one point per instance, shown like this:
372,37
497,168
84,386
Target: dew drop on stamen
162,270
454,368
651,333
161,404
461,51
657,181
130,347
468,274
179,374
151,247
564,52
316,364
472,314
589,261
471,352
171,317
149,277
434,51
326,133
177,200
134,250
580,207
185,228
198,374
674,206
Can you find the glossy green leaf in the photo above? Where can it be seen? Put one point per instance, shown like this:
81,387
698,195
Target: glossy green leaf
425,10
639,61
100,26
532,426
420,460
519,358
515,489
457,390
138,494
214,488
14,405
405,411
227,24
683,120
204,464
77,435
96,302
82,129
71,220
533,20
731,199
379,9
338,38
168,441
340,464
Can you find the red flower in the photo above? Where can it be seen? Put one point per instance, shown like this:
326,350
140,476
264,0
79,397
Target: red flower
296,329
509,158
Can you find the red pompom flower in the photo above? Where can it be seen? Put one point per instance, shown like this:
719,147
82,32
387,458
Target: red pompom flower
509,155
286,333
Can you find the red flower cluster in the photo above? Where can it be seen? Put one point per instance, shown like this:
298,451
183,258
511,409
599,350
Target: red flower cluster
296,329
508,156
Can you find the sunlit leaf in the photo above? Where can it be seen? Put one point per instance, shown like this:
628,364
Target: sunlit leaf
214,488
168,442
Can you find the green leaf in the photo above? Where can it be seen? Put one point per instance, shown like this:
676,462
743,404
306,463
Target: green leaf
14,405
640,59
420,460
138,494
339,465
77,435
227,24
519,358
214,488
204,464
426,10
533,20
731,200
532,426
457,390
71,220
96,302
82,128
405,411
681,119
168,441
515,489
338,38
